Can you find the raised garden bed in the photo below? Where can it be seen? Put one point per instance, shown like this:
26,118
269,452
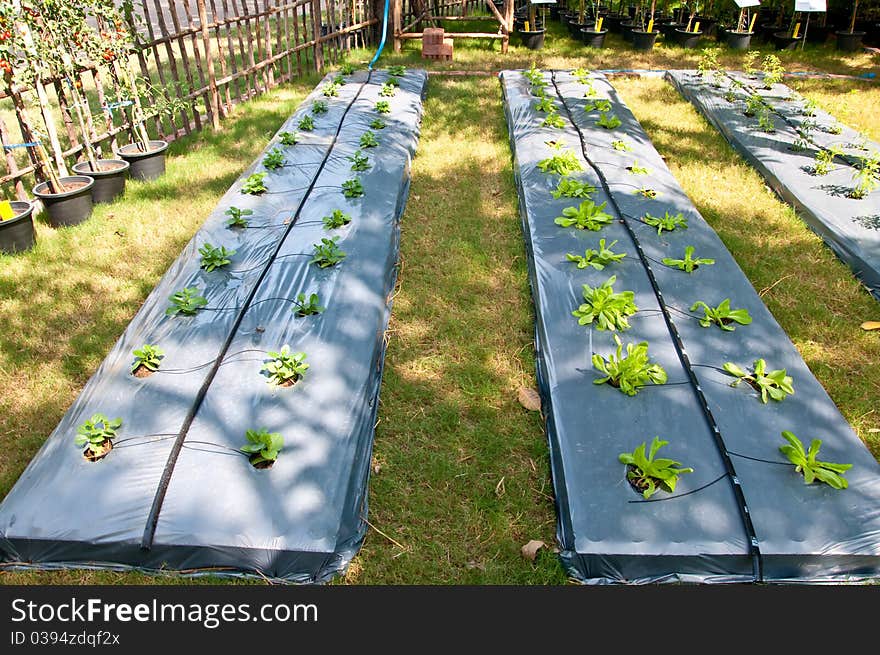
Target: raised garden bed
176,491
740,515
782,139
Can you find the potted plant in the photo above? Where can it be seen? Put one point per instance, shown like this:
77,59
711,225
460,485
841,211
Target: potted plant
579,21
532,34
790,38
741,37
690,35
644,37
16,226
850,40
594,36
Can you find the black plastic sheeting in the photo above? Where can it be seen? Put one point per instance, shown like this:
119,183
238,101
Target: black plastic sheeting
303,519
850,227
744,514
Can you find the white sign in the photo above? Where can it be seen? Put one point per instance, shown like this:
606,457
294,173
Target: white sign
810,5
742,4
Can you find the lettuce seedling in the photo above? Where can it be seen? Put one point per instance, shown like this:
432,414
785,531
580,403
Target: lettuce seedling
601,104
327,253
97,435
307,306
689,264
635,169
237,217
377,124
186,302
608,310
214,258
569,188
284,368
805,462
608,121
254,184
598,259
587,216
620,145
645,191
359,161
262,447
383,107
388,90
352,188
306,123
274,159
773,384
319,107
288,138
647,474
148,356
546,105
393,81
331,90
562,164
397,70
368,140
668,222
631,372
337,219
722,315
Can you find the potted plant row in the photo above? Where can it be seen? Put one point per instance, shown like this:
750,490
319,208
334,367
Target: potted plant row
16,226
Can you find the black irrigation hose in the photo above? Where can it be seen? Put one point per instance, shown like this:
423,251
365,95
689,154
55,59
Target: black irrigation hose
158,499
758,459
226,359
686,493
752,536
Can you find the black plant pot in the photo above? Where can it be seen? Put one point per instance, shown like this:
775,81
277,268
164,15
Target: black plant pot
533,40
554,12
577,27
767,30
626,30
688,39
17,233
109,179
849,41
145,165
785,41
594,39
819,33
642,40
612,22
668,29
68,208
737,40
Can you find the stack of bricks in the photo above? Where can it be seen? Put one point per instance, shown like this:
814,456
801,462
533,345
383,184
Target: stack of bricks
434,45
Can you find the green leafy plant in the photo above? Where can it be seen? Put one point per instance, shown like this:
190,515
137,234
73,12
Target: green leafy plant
388,90
352,188
288,138
597,259
377,124
773,384
534,74
262,447
545,105
237,216
306,123
635,169
186,302
347,68
539,89
607,309
383,107
730,96
214,258
570,188
773,70
393,81
833,129
689,263
601,104
331,90
397,70
337,219
668,222
722,315
284,368
824,162
805,462
274,159
645,191
553,120
647,474
765,123
307,306
620,145
608,121
866,176
586,216
327,253
368,140
754,105
339,79
631,372
254,184
97,434
319,107
582,75
359,161
749,61
809,108
564,164
147,356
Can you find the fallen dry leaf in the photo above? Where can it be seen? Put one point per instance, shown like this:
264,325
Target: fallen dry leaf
529,398
871,325
530,550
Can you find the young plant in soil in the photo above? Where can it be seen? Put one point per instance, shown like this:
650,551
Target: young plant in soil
534,74
774,384
327,253
809,108
237,217
582,76
288,138
635,169
608,121
285,368
539,89
569,188
765,123
722,315
646,192
397,70
331,90
754,105
648,475
600,104
359,161
546,105
368,140
147,360
749,63
262,447
377,124
337,219
805,462
186,302
339,79
865,176
347,68
97,435
597,259
388,90
306,123
708,67
274,159
773,70
307,306
608,310
631,372
319,107
553,120
383,107
214,258
352,188
690,263
668,222
393,81
730,96
254,184
563,164
586,216
620,145
825,160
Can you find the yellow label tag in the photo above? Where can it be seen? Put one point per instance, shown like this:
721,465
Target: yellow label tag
752,24
526,26
697,26
599,24
650,26
6,211
797,27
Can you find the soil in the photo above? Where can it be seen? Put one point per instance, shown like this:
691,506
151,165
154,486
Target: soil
102,452
638,484
142,372
262,465
70,186
288,383
105,167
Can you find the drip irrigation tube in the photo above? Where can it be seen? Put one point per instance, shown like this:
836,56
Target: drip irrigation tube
384,34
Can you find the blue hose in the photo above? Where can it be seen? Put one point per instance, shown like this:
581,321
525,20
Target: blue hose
384,33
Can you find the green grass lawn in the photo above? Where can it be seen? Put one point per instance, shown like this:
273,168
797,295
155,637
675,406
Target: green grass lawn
460,477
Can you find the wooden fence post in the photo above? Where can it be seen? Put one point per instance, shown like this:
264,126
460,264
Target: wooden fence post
316,35
214,94
396,8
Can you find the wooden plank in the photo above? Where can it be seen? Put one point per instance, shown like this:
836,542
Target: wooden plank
169,51
213,97
184,55
11,164
316,32
226,106
455,35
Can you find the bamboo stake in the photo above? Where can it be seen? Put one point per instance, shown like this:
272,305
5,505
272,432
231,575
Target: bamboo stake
316,31
11,164
214,95
102,101
187,68
145,71
172,61
66,116
222,57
